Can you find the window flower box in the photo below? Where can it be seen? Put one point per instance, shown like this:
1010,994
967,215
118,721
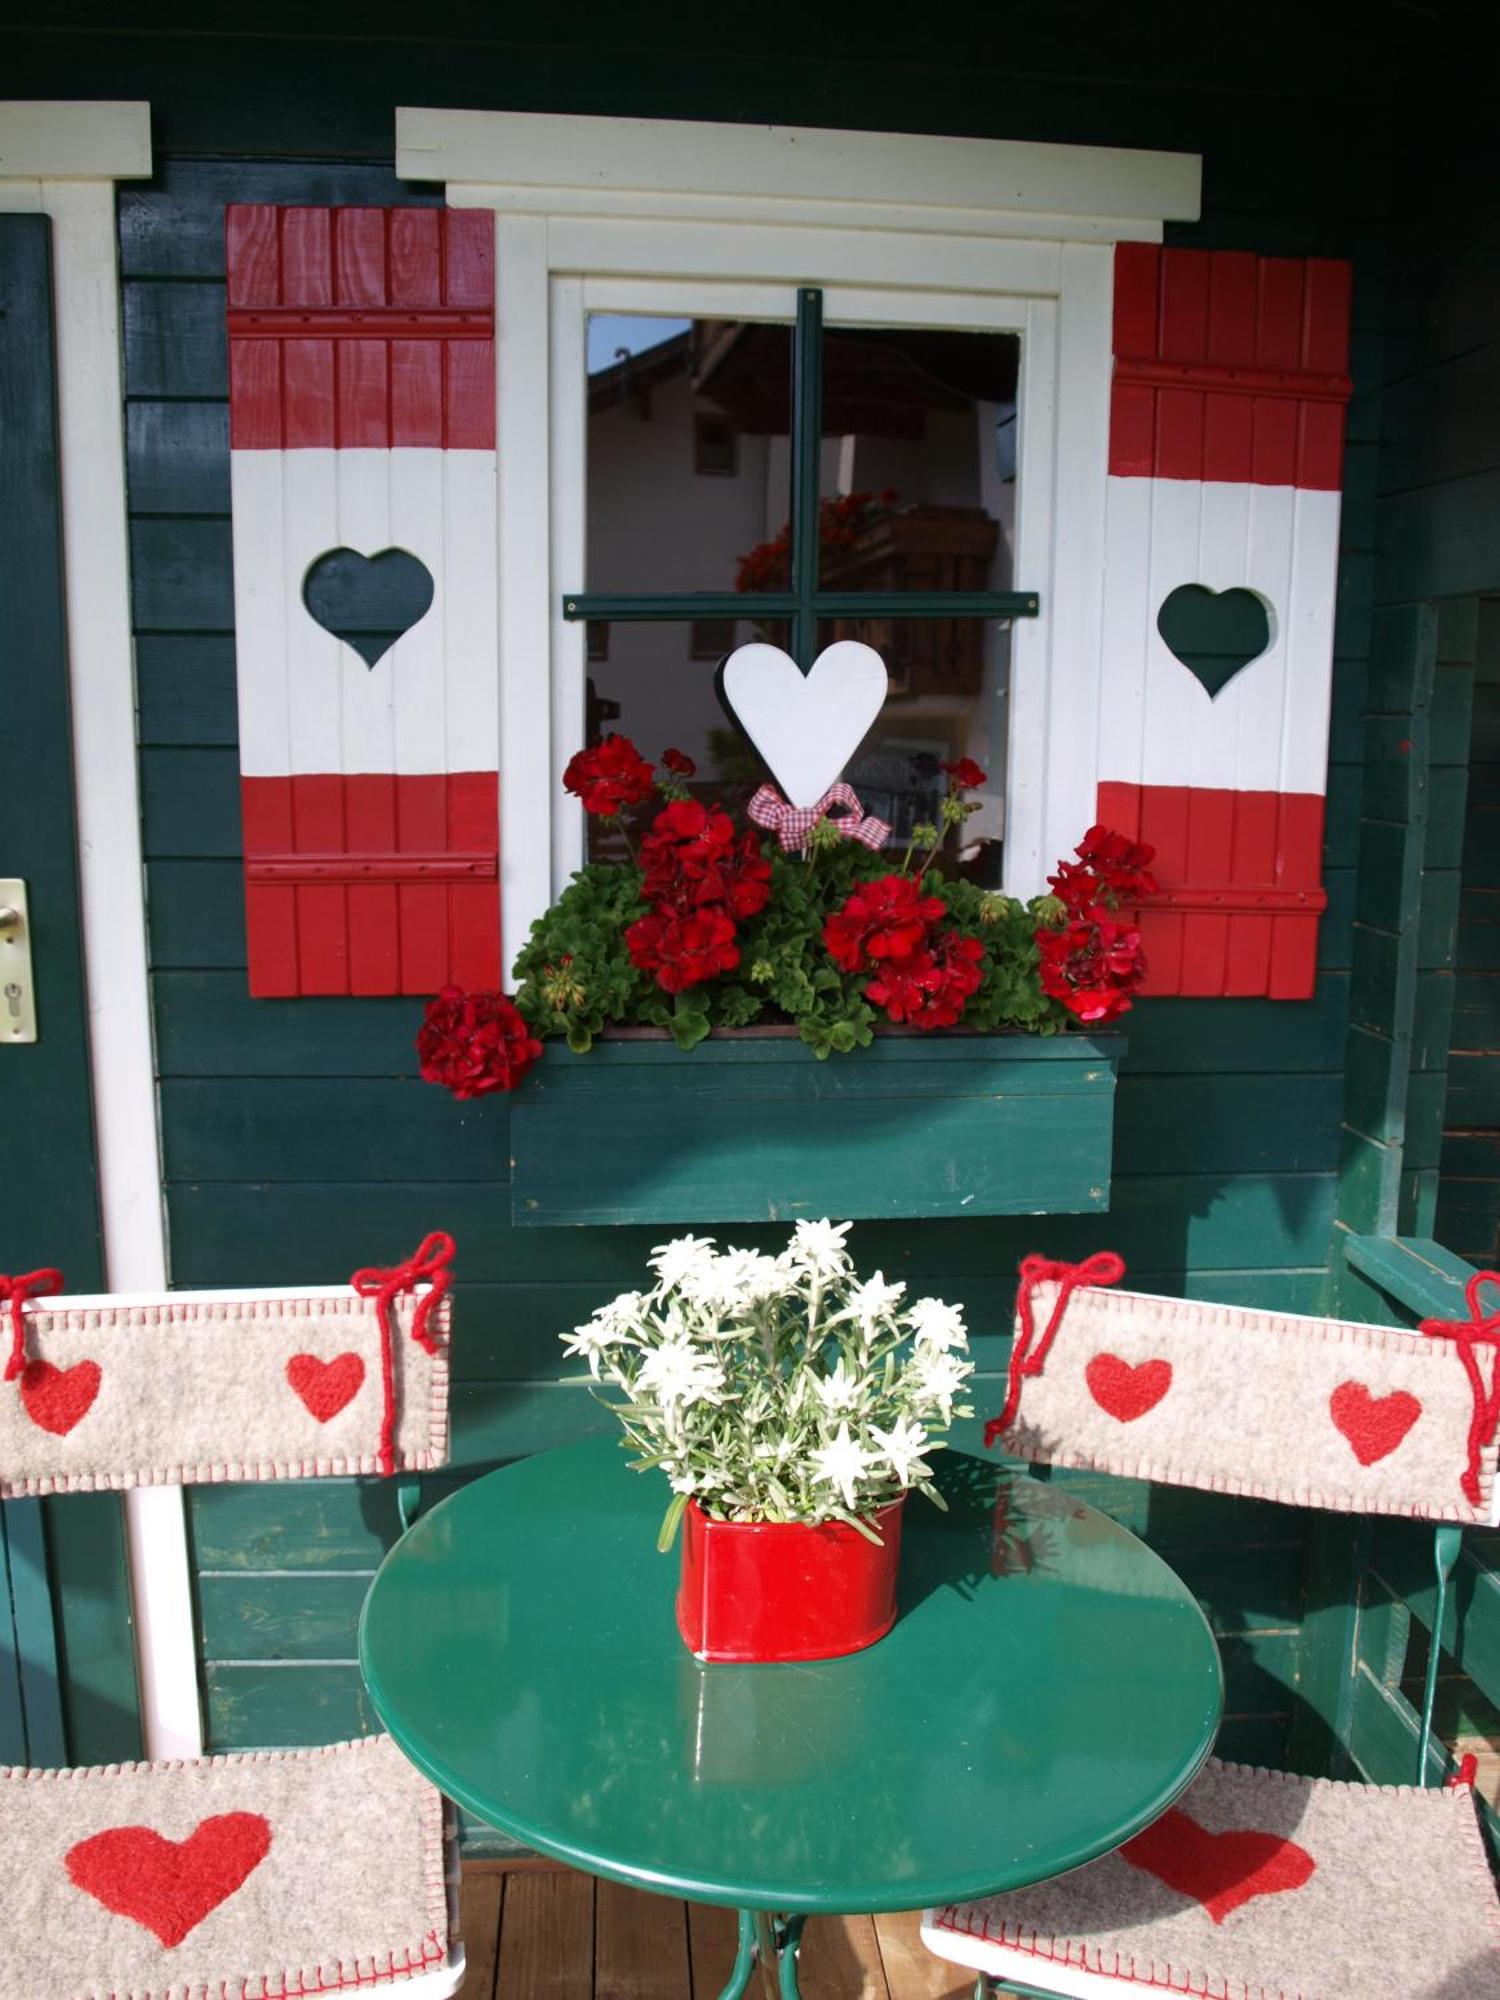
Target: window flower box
753,1128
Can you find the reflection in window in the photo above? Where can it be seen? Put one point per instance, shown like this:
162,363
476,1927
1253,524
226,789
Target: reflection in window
917,481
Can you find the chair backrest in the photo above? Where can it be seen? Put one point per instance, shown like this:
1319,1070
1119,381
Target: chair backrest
1313,1412
183,1387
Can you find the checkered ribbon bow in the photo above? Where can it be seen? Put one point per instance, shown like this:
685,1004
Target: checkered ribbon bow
793,824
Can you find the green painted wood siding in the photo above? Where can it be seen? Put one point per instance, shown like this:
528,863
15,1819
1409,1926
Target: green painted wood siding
299,1142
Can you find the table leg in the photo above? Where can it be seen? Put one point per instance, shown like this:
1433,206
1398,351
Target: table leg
771,1943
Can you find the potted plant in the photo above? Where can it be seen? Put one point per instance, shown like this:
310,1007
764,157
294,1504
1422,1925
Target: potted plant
791,1406
710,972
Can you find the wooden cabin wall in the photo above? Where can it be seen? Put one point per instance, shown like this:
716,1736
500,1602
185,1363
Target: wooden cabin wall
299,1142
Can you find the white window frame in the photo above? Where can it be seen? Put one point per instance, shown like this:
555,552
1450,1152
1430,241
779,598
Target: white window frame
686,218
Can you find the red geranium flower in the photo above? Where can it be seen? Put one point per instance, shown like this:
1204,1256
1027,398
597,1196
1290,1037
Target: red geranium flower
609,777
683,951
1093,966
1110,869
880,920
932,987
680,762
966,774
473,1043
693,857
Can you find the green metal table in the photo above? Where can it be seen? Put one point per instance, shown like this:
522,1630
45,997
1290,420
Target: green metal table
1049,1688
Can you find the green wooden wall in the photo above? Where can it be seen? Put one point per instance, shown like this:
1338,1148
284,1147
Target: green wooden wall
298,1141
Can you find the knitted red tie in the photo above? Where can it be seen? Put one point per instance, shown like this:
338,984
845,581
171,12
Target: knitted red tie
1029,1353
15,1292
428,1266
1480,1329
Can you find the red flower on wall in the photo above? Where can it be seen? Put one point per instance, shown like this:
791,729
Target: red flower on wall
967,776
887,919
474,1043
693,857
1093,966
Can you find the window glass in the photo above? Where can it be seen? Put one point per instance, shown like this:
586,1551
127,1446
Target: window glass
688,453
655,690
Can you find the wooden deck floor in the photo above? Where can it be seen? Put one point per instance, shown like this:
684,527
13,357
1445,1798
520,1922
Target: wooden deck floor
545,1933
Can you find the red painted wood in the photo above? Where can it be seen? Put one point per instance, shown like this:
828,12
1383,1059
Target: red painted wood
270,913
372,882
1240,895
1229,367
361,327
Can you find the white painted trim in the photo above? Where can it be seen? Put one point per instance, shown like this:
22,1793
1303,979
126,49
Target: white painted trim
772,164
528,776
568,455
70,149
40,140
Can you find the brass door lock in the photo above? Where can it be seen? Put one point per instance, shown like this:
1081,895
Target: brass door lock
17,988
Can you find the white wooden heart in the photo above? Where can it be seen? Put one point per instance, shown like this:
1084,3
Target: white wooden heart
806,726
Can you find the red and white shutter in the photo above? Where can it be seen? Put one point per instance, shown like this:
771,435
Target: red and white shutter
362,416
1225,464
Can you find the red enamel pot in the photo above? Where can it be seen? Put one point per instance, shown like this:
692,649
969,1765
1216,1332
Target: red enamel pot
784,1590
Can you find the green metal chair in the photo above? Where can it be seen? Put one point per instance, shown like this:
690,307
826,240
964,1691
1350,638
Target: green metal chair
267,1875
1260,1885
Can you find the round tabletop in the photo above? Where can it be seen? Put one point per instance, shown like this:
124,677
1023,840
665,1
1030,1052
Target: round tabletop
1049,1688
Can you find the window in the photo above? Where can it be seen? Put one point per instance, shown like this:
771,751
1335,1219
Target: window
868,501
725,225
714,445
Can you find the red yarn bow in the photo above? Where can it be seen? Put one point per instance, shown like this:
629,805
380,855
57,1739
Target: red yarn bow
793,825
429,1266
1480,1329
1029,1353
15,1292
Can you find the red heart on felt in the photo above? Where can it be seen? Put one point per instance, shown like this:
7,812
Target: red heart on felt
58,1398
1373,1425
326,1387
169,1886
1218,1870
1125,1392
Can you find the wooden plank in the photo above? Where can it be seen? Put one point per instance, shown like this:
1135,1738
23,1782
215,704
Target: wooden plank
177,457
840,1960
640,1945
547,1937
713,1936
264,1707
175,342
311,1129
185,690
1229,1124
297,1524
479,1899
280,1617
267,1233
912,1972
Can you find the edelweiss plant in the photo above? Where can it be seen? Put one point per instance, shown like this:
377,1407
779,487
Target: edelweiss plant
779,1388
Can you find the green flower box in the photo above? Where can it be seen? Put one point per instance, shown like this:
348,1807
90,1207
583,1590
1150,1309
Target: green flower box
754,1128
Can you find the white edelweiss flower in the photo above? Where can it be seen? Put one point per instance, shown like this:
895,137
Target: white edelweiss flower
819,1247
903,1445
750,1277
873,1300
594,1339
621,1318
939,1376
841,1390
842,1463
682,1257
937,1324
679,1375
685,1481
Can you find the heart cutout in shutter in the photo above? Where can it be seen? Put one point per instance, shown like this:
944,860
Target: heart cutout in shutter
805,726
368,601
1214,633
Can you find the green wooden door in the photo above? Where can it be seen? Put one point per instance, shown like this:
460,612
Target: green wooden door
50,1553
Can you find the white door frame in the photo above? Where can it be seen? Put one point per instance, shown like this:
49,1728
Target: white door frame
63,161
